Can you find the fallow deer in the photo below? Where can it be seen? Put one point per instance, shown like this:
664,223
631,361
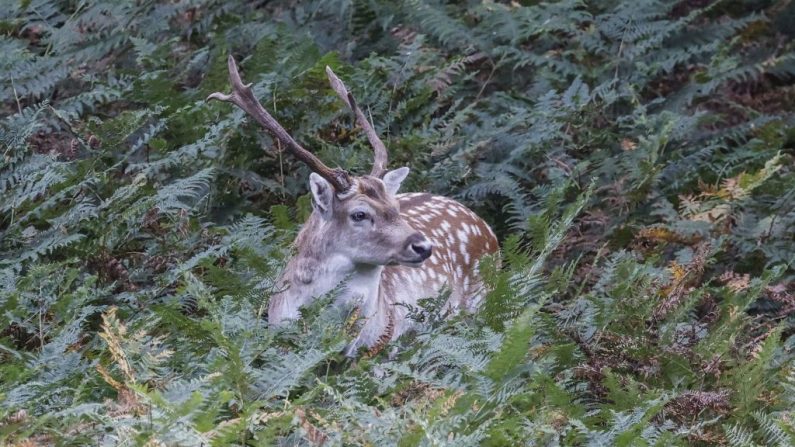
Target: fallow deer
388,250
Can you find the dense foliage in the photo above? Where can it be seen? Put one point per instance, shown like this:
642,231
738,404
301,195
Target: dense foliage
635,157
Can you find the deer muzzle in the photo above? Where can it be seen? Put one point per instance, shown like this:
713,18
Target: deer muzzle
418,248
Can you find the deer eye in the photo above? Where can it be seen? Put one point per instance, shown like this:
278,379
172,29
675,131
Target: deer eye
358,216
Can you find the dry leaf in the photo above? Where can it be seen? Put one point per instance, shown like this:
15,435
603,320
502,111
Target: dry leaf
628,145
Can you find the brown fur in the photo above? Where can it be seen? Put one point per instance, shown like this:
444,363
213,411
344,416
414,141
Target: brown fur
447,256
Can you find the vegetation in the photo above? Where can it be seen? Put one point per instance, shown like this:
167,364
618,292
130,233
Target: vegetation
636,158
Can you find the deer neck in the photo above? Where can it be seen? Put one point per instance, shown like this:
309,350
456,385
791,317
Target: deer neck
360,288
316,269
315,276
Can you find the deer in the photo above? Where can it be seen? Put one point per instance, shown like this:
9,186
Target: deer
382,251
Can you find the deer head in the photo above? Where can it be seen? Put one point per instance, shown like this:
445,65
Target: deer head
363,225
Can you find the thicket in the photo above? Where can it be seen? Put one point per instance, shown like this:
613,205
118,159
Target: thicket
635,158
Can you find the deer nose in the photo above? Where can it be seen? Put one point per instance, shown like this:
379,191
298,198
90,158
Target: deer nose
421,246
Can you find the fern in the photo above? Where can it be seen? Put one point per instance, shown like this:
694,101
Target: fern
634,158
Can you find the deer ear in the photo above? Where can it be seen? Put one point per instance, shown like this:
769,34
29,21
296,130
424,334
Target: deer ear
322,194
393,179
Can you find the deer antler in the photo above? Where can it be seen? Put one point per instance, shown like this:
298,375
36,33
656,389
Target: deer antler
380,161
243,97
